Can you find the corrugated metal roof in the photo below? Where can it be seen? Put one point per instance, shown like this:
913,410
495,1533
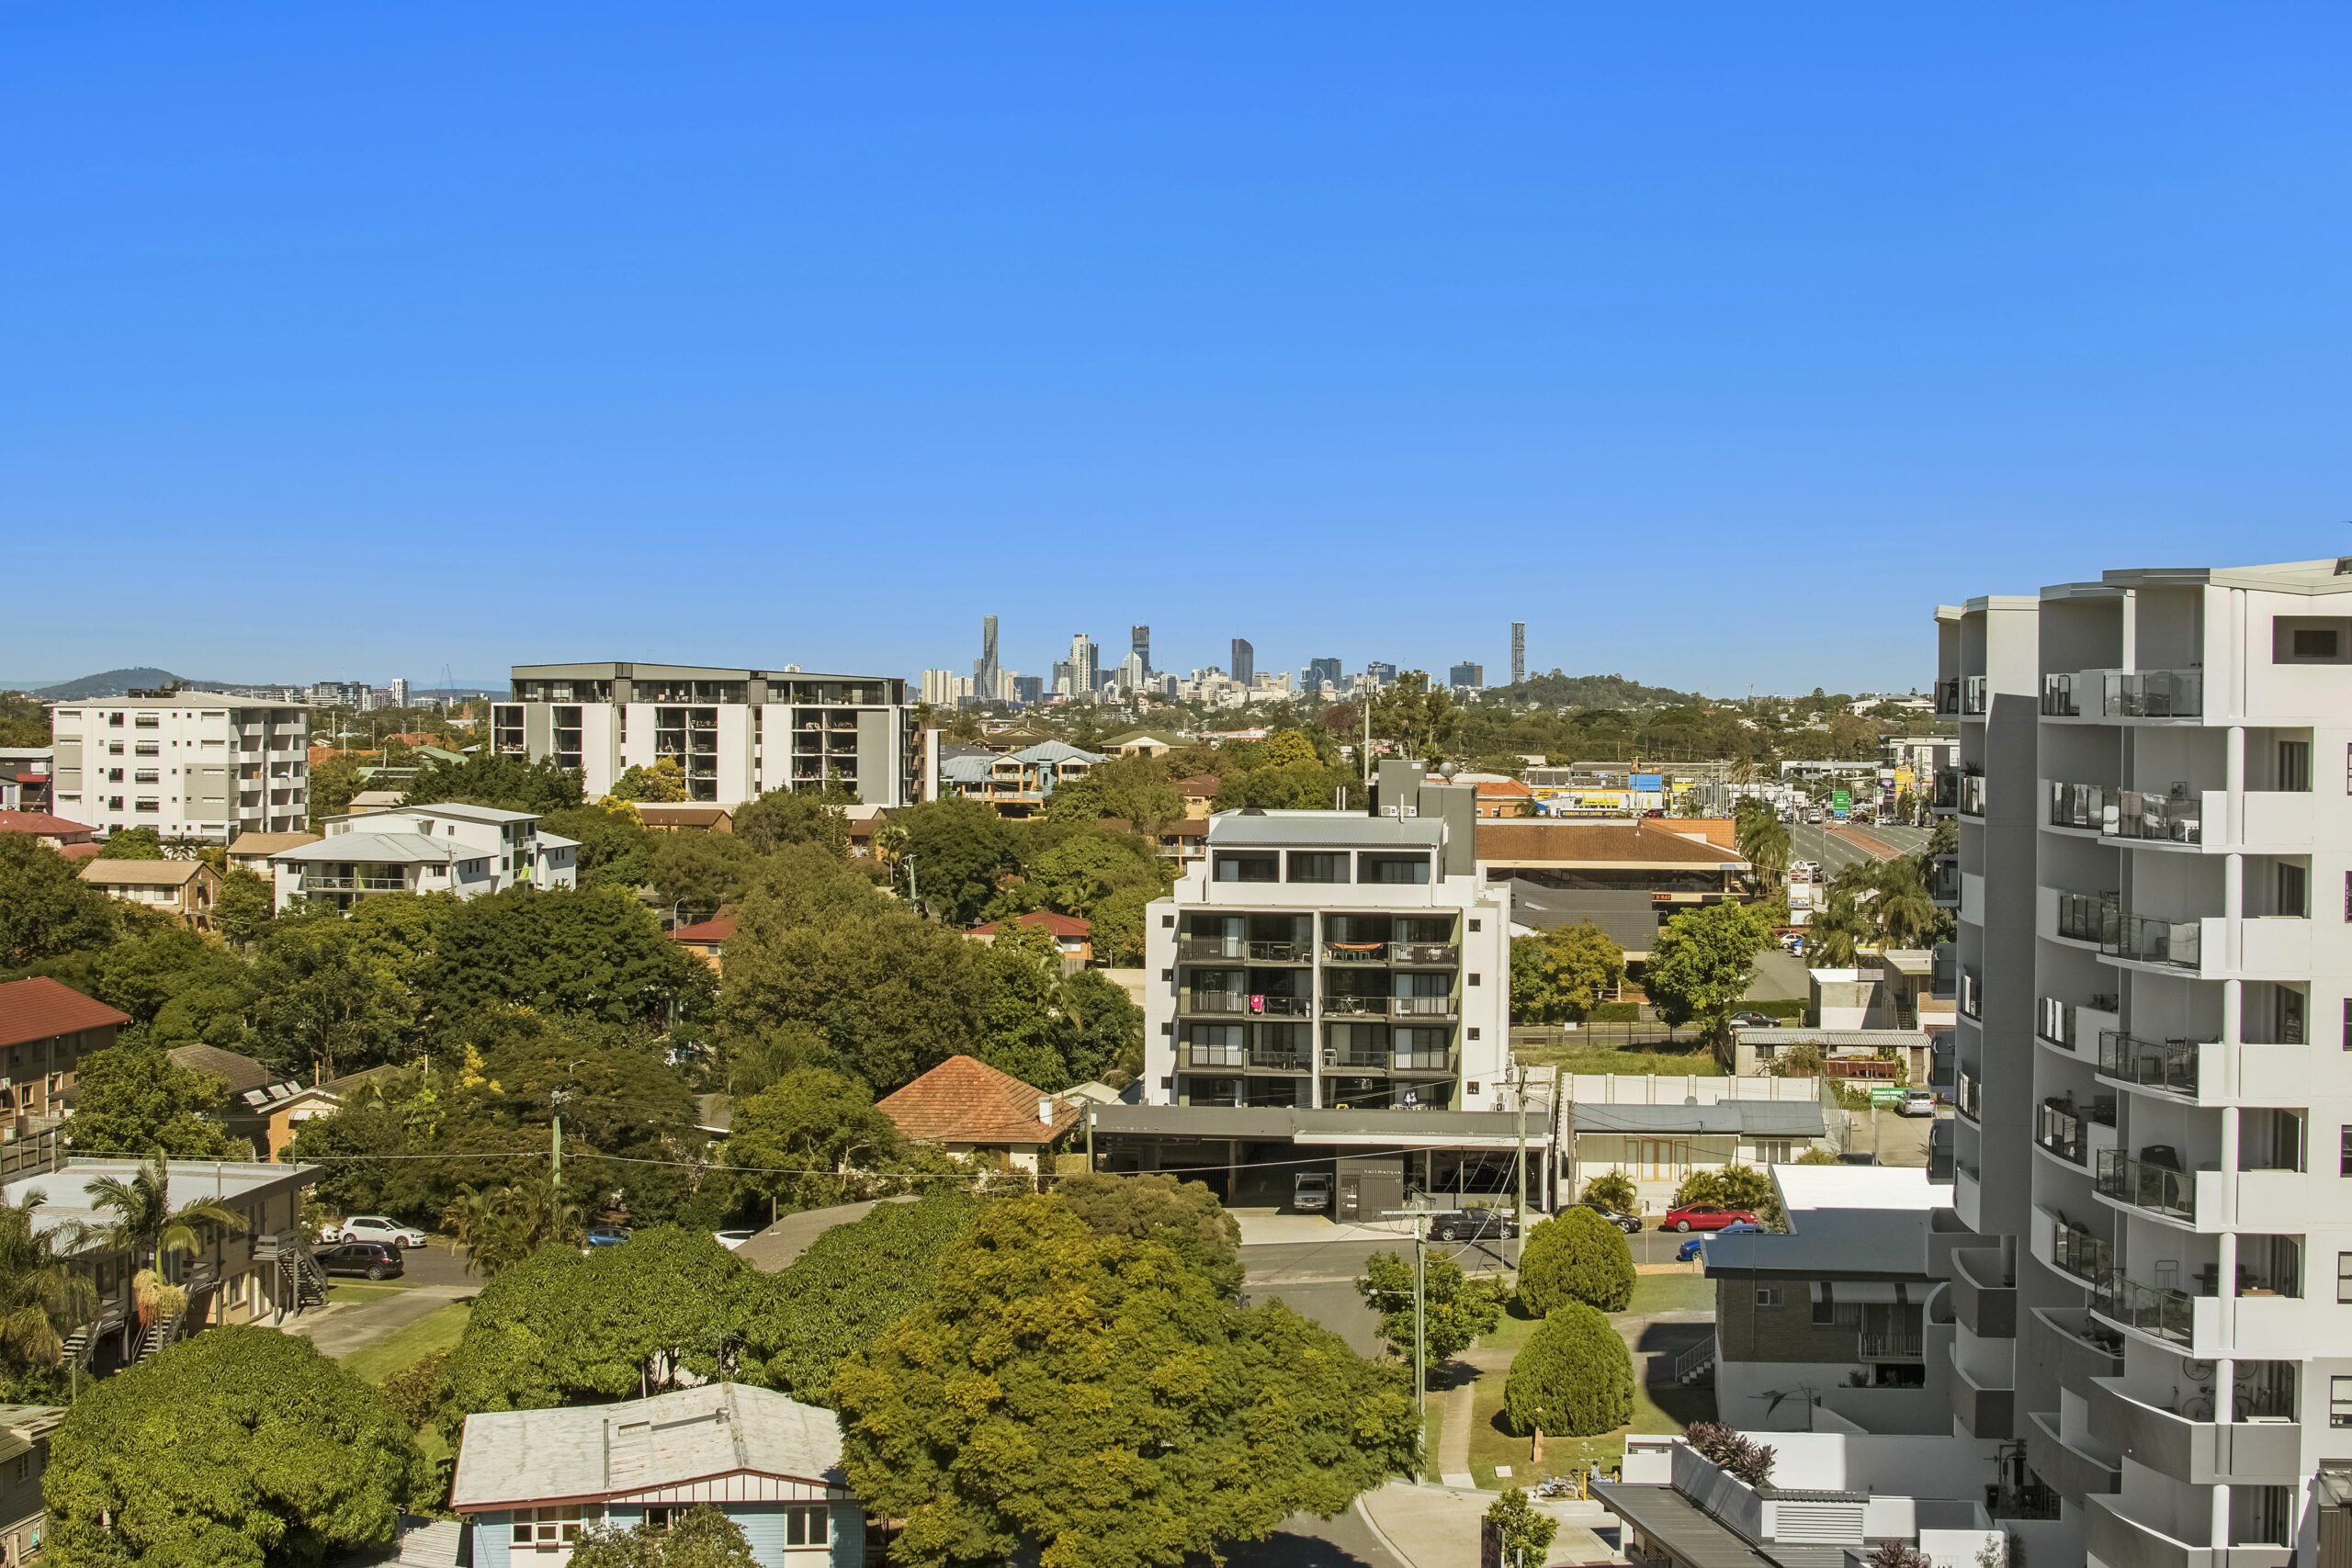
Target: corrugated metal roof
1274,1123
379,849
1323,830
1765,1118
603,1450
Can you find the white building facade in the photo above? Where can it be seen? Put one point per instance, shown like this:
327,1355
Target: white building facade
448,847
2150,1257
736,734
190,765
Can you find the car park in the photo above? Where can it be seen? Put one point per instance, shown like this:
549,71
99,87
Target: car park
369,1259
1705,1217
373,1227
1629,1223
1472,1225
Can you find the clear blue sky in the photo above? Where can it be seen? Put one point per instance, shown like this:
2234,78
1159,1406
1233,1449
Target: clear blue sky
1717,343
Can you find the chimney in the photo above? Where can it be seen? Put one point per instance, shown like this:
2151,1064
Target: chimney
1045,1109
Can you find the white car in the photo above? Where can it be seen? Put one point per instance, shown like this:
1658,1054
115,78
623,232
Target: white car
1917,1102
374,1227
731,1240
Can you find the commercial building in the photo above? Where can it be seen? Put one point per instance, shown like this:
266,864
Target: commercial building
448,847
190,765
2149,1254
1245,661
1466,677
737,734
1139,645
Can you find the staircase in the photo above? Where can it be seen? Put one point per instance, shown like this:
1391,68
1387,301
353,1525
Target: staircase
159,1333
82,1344
1696,1365
300,1282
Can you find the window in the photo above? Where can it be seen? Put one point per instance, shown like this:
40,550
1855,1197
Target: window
2310,639
1244,868
2295,765
1768,1295
1474,979
546,1528
662,1518
1307,867
2344,1277
1166,921
804,1524
2344,1155
2339,1402
2294,892
1825,1311
2287,1015
24,1467
1396,869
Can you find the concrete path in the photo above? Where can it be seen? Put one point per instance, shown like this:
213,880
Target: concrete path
1271,1228
1437,1527
339,1328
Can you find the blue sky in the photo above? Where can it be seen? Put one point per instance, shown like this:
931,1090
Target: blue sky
1716,344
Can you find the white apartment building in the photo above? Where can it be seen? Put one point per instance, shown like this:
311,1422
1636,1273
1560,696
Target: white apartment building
1318,958
2148,1263
190,765
447,848
736,733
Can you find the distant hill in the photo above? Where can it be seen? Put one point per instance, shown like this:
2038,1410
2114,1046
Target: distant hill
1556,690
115,683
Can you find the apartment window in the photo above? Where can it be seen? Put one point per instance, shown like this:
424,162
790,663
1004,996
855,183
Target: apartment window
2344,1153
1246,868
24,1467
150,806
1825,1311
546,1528
2294,892
1166,921
1768,1295
1474,979
2310,639
2339,1402
1396,869
804,1526
2287,1015
2295,765
1168,973
2344,1277
1318,867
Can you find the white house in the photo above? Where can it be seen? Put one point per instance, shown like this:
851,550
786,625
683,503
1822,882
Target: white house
464,850
1658,1130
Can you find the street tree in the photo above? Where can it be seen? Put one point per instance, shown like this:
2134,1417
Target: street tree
1456,1308
1523,1531
1560,975
1573,1379
1576,1256
1702,964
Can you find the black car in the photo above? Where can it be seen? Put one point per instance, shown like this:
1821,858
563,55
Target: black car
1472,1225
1629,1223
371,1259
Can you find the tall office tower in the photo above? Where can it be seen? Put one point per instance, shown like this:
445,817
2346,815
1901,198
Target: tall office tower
1139,644
2150,1156
1518,652
1027,690
1085,665
1381,674
1466,677
985,675
1245,661
1319,671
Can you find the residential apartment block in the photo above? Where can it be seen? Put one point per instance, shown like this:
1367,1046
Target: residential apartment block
2148,1256
190,765
737,734
446,848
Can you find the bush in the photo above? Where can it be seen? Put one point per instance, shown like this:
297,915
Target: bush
1578,1256
416,1392
1734,1186
1615,1189
1574,1379
1614,1013
1727,1451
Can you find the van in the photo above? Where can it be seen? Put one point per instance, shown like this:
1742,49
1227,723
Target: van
1310,1191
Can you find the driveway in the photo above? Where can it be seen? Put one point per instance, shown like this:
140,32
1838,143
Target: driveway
434,1276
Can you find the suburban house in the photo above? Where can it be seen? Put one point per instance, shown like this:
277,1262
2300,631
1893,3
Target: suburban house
74,840
368,802
969,1108
1863,1055
1185,840
1073,938
255,1094
183,889
24,1457
1144,743
1199,795
1019,783
670,816
1499,794
705,938
46,1029
251,852
1658,1130
445,848
529,1482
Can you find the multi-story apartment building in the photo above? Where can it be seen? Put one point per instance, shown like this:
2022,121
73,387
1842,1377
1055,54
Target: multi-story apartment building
2149,1261
1317,958
190,765
737,733
447,848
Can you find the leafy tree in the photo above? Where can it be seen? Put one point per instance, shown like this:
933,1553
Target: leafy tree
1559,975
1119,924
1105,1037
144,1223
697,873
246,904
1577,1257
1526,1532
1077,874
1158,1207
1615,1189
1456,1308
44,1295
1833,937
144,971
1022,1027
501,1227
240,1448
333,780
1763,840
1287,748
1819,1156
818,1135
46,910
24,720
1095,1401
509,783
595,952
834,1299
615,849
322,1006
1139,790
703,1537
1421,718
1574,1378
131,843
131,1098
796,817
959,849
664,781
1704,962
416,1390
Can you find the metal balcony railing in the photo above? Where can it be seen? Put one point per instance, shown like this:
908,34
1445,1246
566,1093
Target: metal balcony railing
1422,1007
2058,698
2075,1251
312,884
1975,696
1895,1342
1355,952
2153,693
1424,952
2151,1309
2155,1187
1238,950
1972,995
2169,1065
1947,697
2058,1127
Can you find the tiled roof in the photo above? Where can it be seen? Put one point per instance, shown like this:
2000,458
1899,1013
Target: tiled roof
1200,786
43,824
716,930
141,873
1041,920
967,1101
40,1007
662,814
240,1072
1594,844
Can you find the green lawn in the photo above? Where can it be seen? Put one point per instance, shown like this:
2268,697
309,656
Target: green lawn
360,1291
1673,1061
1672,1292
410,1343
1491,1442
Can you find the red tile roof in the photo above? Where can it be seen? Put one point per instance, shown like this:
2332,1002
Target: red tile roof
713,931
38,1008
965,1101
1200,786
43,824
1594,844
81,851
1043,920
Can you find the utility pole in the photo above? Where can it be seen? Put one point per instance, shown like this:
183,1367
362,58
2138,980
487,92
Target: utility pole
558,1180
1421,1288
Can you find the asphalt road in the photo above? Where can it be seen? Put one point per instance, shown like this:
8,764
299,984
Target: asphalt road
1318,1280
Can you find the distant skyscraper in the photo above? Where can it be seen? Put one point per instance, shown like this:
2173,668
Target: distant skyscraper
1085,665
1245,661
1382,674
1518,652
1028,689
399,691
1322,669
988,677
1139,644
1466,677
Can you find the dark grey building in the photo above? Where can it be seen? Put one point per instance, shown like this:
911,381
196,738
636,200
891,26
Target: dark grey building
1245,661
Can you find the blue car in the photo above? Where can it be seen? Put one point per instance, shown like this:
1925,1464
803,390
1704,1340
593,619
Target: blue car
1696,1244
607,1235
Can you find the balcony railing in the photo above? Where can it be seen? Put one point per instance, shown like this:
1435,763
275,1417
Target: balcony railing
2075,1251
1975,696
2169,1065
1422,1007
2145,940
1947,697
1943,880
1946,795
2058,698
1966,1096
2058,1127
2153,693
1229,1057
1898,1342
2151,1309
1234,948
2087,917
1972,795
1237,1003
316,884
1424,952
1355,952
2173,818
2156,1188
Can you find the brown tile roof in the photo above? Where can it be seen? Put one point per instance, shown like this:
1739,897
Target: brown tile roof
264,845
1502,789
1200,786
40,1007
240,1072
713,931
965,1101
1044,921
1594,844
660,813
141,873
43,825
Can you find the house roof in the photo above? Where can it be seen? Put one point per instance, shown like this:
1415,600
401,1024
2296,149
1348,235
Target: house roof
383,799
40,1007
141,873
1762,1118
1200,786
642,1445
43,824
378,849
465,813
1055,751
1499,787
71,1201
240,1072
964,1101
1133,735
1539,842
664,814
264,845
1317,1127
966,769
713,931
1625,915
1043,920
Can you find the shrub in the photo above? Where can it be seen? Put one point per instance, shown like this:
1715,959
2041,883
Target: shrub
1615,1189
415,1390
1614,1013
1803,1060
1574,1379
1734,1186
1730,1452
1578,1256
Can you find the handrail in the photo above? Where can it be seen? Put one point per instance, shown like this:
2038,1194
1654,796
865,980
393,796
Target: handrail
2158,1188
2169,1065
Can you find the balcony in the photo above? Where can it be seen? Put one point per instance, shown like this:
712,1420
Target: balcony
2176,816
1235,1004
2169,1067
2161,1313
2061,1127
1988,1413
2075,1471
1945,795
1948,694
2070,1027
1972,995
1939,1155
1234,1059
2152,1187
1943,881
1892,1342
2113,1537
1972,795
2058,698
1421,1062
1967,1092
2142,938
1355,952
313,882
2081,1256
2262,1445
2068,1348
1975,696
1983,1298
2153,694
1425,954
1238,950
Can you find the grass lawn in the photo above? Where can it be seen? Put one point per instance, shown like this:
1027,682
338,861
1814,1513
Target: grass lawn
1672,1060
1673,1292
410,1343
359,1291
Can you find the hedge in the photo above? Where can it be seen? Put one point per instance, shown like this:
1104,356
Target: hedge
1578,1256
1574,1379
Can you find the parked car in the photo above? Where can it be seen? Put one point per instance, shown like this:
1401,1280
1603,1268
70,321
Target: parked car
1917,1102
1629,1223
606,1235
1473,1224
731,1240
1310,1191
1697,1245
371,1259
1753,1020
1704,1217
374,1227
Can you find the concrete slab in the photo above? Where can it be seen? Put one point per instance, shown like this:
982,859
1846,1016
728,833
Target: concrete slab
1270,1227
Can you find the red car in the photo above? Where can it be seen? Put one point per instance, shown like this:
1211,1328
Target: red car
1703,1217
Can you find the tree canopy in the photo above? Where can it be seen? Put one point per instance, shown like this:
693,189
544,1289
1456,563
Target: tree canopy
1576,1256
131,1098
1559,975
1703,962
1455,1307
1573,1379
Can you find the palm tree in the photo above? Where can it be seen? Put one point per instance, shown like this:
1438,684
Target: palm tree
43,1297
1904,914
1768,851
147,1226
1833,937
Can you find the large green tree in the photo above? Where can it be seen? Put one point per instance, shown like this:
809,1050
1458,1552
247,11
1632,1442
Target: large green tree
784,817
1456,1308
591,952
1703,962
1096,1400
1158,1207
615,849
810,1138
959,849
1560,975
1573,1379
509,783
46,910
240,1448
324,1003
1576,1256
44,1295
855,1280
131,1098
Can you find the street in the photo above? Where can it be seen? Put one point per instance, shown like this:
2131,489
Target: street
1837,846
1318,1280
